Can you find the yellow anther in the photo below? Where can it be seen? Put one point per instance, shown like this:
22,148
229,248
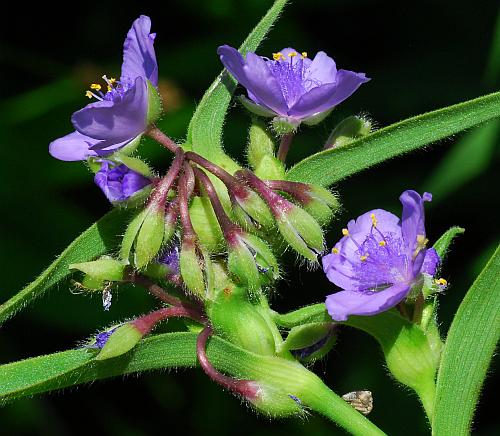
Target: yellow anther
95,86
335,250
292,54
345,232
112,80
442,282
88,94
109,88
278,56
363,258
304,54
422,241
382,243
374,219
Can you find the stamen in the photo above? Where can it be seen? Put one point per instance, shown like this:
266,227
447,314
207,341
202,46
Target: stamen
110,82
90,94
374,220
292,54
363,258
382,243
335,250
441,281
345,232
304,54
278,56
95,86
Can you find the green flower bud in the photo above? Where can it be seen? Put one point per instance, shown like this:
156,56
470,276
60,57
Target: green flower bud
239,321
348,130
270,167
154,104
260,143
301,231
123,339
205,224
104,269
250,210
322,204
191,266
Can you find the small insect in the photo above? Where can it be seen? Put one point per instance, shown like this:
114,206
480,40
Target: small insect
362,401
106,297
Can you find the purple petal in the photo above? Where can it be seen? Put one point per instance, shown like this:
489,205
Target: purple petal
73,147
343,268
345,303
322,70
254,75
119,182
431,262
413,218
115,121
324,97
139,59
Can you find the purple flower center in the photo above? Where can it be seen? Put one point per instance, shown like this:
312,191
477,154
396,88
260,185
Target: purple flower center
116,89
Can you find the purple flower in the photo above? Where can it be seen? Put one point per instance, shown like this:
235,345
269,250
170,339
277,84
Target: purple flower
291,86
379,259
170,259
118,182
121,114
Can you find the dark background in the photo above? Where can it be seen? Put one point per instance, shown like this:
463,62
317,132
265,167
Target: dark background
420,55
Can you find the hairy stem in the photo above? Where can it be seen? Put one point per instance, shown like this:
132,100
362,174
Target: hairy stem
284,147
156,134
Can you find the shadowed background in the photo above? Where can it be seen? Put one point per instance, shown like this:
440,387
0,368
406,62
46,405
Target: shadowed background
420,57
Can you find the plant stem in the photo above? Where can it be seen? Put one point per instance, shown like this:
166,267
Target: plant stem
285,143
156,134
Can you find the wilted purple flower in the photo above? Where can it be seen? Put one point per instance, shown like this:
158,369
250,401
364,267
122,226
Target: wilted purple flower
120,115
118,182
100,339
291,86
170,259
379,259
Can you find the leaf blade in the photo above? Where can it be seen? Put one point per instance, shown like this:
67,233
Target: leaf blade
330,166
468,350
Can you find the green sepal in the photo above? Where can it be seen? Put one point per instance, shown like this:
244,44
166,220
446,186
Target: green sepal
253,212
349,129
284,125
270,168
105,268
155,106
131,234
90,283
255,108
150,237
241,263
302,232
323,204
317,118
123,339
306,335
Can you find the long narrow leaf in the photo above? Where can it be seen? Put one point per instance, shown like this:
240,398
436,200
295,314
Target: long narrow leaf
468,350
205,128
330,166
98,239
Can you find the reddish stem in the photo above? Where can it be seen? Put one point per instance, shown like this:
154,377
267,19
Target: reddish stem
160,194
156,134
297,190
226,224
147,322
285,143
185,190
246,388
216,170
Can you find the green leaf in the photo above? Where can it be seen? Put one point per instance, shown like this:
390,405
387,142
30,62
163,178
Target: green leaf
205,129
169,350
468,350
330,166
100,238
442,245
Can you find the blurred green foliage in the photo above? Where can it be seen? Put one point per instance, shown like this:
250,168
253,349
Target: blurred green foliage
421,56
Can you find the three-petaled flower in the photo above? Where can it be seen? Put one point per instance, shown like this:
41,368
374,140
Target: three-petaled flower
122,113
379,259
291,87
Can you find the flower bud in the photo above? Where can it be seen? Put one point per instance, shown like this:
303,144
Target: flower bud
249,209
310,342
123,339
270,167
251,260
301,231
348,130
205,223
104,269
260,143
191,267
